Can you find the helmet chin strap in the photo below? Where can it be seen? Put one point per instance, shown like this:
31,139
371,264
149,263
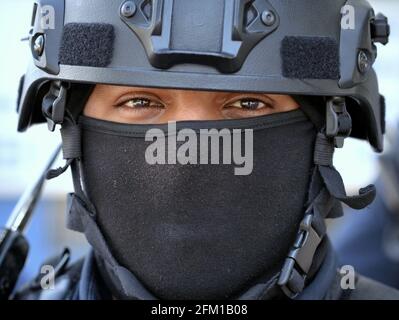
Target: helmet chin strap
326,193
62,105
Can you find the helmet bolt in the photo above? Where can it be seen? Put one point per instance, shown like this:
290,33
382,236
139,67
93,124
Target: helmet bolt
268,18
38,45
363,61
128,9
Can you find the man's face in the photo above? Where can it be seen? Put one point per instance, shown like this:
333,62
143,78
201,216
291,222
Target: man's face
154,106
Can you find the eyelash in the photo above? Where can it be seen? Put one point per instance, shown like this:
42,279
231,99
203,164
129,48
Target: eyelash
152,103
252,104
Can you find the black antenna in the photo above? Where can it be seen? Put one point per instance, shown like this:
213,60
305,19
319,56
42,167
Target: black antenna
13,245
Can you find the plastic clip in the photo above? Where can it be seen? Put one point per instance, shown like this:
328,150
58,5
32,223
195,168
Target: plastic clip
54,103
338,121
299,260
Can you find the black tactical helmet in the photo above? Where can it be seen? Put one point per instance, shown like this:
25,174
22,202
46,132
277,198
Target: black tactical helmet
296,47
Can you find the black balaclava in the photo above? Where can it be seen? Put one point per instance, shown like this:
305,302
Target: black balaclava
198,231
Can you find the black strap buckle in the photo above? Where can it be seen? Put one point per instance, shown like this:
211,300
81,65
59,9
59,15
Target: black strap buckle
338,121
54,102
299,260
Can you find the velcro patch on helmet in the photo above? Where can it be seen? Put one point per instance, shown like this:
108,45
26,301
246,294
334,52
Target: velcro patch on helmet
310,58
87,44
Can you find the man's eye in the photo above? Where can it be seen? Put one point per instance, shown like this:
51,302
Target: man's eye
249,104
142,103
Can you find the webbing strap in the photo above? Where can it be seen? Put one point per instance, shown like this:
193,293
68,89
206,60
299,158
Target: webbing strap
333,181
326,192
71,140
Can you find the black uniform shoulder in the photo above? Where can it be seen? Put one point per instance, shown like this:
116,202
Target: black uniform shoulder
368,289
363,289
66,279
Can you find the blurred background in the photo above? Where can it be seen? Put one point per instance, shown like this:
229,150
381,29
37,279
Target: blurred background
23,155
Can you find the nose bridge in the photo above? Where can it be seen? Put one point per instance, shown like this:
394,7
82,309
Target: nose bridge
195,106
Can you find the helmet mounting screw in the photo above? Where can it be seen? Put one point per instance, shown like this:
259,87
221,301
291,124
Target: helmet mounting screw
363,61
38,45
268,18
128,9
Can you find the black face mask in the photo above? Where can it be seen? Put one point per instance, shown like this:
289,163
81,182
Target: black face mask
199,231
